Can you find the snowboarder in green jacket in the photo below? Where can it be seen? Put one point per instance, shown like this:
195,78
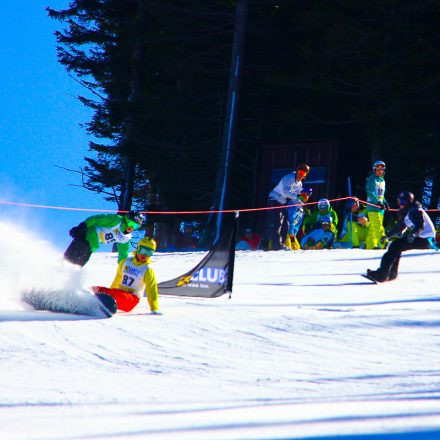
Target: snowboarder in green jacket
102,229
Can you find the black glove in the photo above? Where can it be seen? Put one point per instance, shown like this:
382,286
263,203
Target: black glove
383,239
386,206
78,231
410,237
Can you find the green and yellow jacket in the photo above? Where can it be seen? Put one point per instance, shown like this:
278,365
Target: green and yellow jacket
105,229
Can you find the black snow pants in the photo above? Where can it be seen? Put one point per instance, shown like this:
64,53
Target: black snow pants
273,240
389,265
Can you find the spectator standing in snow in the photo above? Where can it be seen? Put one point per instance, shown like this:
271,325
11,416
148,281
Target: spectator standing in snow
375,188
286,191
295,215
102,229
416,231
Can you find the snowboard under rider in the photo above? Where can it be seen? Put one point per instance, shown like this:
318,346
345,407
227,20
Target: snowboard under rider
133,277
416,231
102,229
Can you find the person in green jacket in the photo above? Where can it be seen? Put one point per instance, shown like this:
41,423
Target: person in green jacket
102,229
324,210
375,188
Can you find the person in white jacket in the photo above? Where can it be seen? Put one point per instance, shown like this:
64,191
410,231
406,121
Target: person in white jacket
286,192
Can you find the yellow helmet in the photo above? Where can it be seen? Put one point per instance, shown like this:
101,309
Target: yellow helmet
147,246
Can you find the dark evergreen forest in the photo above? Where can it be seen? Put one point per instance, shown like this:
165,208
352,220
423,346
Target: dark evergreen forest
156,72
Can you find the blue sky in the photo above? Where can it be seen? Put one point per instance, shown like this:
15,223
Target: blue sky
39,125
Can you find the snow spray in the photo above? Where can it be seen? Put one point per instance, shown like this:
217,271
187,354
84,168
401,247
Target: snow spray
28,263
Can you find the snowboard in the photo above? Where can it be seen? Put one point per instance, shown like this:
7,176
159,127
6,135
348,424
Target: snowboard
369,278
75,301
108,302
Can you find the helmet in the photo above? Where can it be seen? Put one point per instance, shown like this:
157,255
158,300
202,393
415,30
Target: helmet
148,242
326,220
378,163
405,197
147,246
323,204
134,219
303,167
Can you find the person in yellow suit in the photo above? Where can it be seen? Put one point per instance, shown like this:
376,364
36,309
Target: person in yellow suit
375,188
354,227
133,277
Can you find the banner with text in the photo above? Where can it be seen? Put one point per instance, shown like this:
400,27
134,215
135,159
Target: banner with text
213,276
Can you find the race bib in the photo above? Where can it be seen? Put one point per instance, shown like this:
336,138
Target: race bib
112,235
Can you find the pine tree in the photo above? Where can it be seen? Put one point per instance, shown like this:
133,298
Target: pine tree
158,74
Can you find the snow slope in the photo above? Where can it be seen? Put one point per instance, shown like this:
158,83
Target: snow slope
305,348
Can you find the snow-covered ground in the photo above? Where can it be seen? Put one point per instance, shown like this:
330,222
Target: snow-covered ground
305,348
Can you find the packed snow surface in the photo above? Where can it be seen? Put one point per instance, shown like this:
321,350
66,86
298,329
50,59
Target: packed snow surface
304,348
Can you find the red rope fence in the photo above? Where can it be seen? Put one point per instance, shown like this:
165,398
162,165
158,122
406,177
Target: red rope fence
66,208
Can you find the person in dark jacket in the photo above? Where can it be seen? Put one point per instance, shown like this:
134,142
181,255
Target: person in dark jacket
416,231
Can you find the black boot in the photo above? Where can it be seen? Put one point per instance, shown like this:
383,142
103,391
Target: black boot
377,275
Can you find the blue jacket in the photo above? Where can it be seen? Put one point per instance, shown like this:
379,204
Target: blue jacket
319,235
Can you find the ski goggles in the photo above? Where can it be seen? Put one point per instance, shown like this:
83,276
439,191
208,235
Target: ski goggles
131,223
144,250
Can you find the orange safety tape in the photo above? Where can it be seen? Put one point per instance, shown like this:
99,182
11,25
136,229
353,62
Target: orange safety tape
63,208
267,208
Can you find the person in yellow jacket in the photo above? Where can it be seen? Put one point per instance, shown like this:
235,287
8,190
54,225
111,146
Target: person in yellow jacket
375,188
133,277
354,227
